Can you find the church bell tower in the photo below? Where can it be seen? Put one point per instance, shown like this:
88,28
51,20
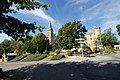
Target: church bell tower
50,33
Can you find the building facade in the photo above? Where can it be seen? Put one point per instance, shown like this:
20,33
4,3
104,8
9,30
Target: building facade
117,47
91,37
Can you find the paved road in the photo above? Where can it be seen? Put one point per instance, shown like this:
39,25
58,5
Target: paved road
102,59
72,68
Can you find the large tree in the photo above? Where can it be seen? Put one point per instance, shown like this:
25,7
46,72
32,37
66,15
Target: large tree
107,38
11,25
39,42
118,29
69,32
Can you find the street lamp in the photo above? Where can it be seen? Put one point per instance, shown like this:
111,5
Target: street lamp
46,42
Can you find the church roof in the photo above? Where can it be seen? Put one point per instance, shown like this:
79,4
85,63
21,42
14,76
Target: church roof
50,26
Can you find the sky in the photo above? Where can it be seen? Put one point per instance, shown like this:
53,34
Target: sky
91,13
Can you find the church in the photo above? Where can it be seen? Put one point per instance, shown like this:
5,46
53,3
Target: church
51,35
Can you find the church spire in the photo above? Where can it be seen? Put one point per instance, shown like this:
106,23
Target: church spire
50,33
50,26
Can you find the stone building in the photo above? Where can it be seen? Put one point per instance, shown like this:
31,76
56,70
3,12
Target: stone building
92,36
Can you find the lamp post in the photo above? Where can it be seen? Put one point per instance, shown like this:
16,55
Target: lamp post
46,42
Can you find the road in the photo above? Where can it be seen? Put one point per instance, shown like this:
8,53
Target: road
72,68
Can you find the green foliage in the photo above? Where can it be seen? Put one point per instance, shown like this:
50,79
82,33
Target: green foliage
40,42
68,33
57,51
20,48
27,45
109,49
18,58
36,44
57,57
7,46
46,52
69,52
34,57
107,38
118,29
11,25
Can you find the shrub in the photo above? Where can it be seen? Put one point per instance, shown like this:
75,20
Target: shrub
57,51
109,49
69,52
46,52
57,57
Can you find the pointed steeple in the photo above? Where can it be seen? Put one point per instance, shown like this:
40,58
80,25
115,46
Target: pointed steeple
50,26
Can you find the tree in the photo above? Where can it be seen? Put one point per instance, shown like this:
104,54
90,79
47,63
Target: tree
12,26
7,46
118,29
27,44
107,38
69,32
39,42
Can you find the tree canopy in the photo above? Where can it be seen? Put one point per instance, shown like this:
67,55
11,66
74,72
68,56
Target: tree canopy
107,38
118,29
69,32
11,25
7,46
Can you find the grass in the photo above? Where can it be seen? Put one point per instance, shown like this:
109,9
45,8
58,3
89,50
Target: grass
57,57
18,58
34,57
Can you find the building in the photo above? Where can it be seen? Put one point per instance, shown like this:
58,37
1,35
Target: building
50,33
117,47
91,37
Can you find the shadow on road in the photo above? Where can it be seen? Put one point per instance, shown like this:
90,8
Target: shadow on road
67,71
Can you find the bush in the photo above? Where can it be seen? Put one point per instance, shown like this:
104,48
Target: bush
46,52
34,57
109,49
57,57
57,51
69,52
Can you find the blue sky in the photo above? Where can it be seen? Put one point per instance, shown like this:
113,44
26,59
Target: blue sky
103,13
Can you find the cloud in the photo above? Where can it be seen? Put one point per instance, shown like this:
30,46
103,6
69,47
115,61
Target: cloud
39,13
105,12
80,3
75,2
3,36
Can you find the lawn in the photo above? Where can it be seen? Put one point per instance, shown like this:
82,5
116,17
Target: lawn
18,58
34,57
57,57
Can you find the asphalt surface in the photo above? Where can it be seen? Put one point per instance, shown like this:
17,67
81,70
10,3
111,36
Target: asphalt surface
73,68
